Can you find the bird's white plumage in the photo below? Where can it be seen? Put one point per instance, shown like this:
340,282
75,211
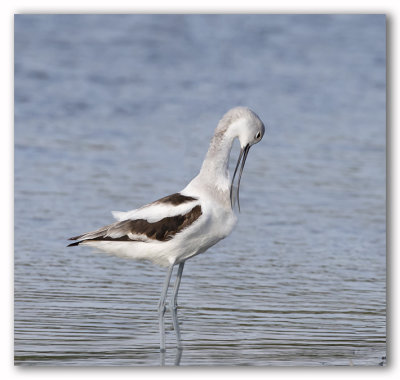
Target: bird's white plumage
214,224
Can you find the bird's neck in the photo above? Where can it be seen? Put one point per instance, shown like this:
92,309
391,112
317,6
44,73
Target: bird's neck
215,166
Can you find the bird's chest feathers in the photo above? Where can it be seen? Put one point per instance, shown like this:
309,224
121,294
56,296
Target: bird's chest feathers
222,222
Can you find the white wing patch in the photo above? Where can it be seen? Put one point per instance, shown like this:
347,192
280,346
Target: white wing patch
154,212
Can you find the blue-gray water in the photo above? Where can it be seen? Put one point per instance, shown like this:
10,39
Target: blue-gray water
112,112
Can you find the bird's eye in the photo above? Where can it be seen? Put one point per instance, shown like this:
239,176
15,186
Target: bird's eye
258,135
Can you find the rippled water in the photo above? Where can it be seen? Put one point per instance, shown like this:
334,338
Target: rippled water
112,112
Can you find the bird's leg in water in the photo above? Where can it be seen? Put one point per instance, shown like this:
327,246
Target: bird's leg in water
174,304
162,308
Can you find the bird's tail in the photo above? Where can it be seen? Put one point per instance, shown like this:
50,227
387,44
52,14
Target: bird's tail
88,236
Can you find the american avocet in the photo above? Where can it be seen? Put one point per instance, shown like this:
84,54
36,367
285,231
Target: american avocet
174,228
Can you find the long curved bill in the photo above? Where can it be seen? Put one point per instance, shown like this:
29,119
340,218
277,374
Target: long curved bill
243,154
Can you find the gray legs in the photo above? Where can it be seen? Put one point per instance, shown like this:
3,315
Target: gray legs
162,306
174,304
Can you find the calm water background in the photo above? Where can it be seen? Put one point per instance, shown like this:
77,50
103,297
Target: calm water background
112,112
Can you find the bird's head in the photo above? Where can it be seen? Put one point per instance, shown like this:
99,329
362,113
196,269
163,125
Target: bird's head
243,123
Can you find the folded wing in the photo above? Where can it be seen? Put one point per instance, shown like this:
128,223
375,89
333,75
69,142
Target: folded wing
157,221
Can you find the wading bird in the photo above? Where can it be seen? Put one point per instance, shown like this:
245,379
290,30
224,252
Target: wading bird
179,226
